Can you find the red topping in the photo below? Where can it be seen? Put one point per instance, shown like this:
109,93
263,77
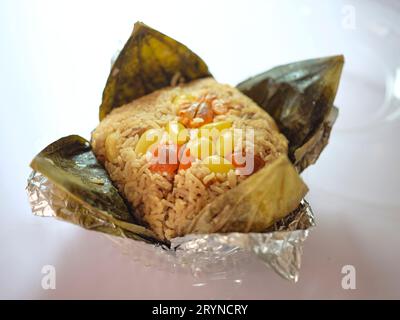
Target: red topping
239,160
165,159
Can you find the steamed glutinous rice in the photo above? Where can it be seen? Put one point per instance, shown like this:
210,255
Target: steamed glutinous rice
204,123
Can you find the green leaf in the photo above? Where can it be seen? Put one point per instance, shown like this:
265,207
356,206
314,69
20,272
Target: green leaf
300,96
149,61
256,203
71,166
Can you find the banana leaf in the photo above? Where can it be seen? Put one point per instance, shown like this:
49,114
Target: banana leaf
73,169
300,96
149,61
256,203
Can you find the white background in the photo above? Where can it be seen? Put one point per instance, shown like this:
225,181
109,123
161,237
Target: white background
54,61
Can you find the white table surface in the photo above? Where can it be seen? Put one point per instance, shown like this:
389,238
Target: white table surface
54,60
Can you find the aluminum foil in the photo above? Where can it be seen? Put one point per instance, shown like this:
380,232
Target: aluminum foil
212,255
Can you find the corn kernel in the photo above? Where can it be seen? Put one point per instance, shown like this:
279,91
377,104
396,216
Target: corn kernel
200,148
177,133
213,129
225,143
147,139
218,164
111,146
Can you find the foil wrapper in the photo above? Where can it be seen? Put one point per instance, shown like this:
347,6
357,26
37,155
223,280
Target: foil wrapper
212,255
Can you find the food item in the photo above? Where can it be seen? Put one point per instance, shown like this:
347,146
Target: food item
239,160
185,158
147,139
177,133
183,153
200,148
165,159
163,197
218,164
217,125
225,143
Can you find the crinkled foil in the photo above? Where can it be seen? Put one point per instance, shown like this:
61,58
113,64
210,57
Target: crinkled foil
279,248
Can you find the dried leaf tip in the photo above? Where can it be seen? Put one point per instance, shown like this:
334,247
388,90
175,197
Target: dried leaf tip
300,97
148,62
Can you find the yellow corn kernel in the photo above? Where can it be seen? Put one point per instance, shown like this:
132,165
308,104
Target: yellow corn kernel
213,129
183,98
177,133
147,139
225,143
111,146
200,148
218,164
219,125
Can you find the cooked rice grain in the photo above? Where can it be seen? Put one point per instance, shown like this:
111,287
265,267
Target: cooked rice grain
168,203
